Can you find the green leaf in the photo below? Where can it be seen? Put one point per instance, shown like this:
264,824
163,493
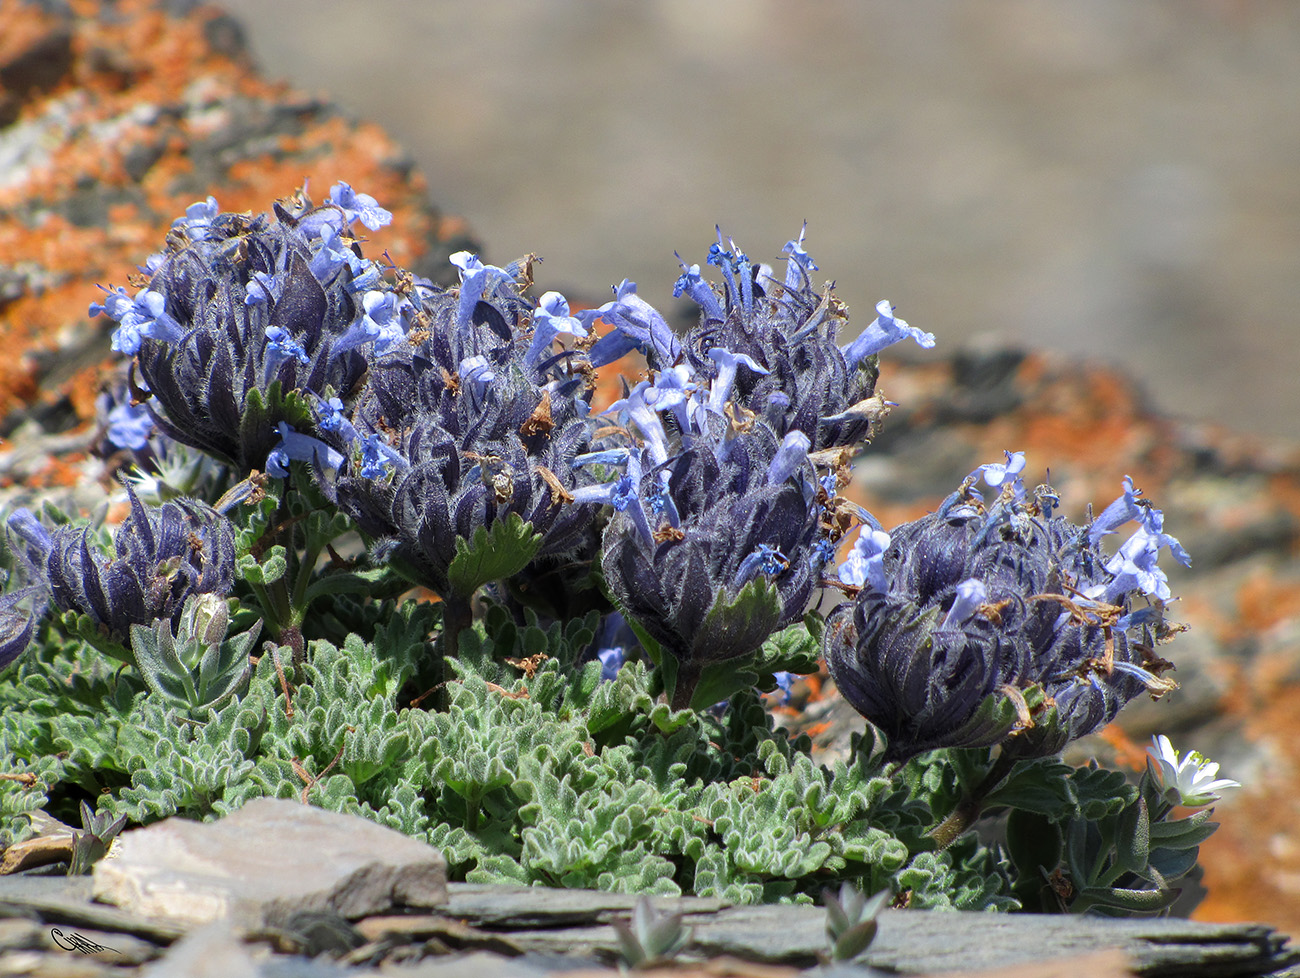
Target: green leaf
1042,786
1131,901
493,554
1183,833
160,664
1133,838
1034,842
269,570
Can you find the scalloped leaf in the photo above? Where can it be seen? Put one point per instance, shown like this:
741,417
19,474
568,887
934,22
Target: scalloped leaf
268,570
493,554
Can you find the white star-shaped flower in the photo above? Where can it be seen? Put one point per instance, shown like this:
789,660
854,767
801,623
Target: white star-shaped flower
1192,778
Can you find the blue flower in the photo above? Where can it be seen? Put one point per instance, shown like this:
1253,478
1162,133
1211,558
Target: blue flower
728,364
129,426
330,412
550,319
701,292
765,560
138,318
297,447
800,265
280,346
864,566
637,326
360,207
883,331
198,218
376,457
611,661
477,281
263,289
998,474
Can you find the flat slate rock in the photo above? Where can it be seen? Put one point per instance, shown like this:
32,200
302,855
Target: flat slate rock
269,860
511,931
576,922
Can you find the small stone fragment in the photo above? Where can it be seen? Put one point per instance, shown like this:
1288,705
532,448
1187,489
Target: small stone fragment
266,862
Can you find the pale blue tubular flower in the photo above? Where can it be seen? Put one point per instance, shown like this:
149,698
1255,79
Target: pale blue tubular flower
129,426
297,447
790,457
635,408
280,346
384,314
145,316
611,661
359,207
1190,781
800,266
637,326
331,252
263,289
1127,507
736,268
330,414
476,374
701,292
198,219
550,319
998,474
728,363
883,331
673,390
476,283
864,565
969,595
765,559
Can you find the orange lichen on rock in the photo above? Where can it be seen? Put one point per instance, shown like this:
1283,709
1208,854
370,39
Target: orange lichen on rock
1252,863
119,116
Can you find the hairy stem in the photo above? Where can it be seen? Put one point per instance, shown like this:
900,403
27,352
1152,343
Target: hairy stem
968,809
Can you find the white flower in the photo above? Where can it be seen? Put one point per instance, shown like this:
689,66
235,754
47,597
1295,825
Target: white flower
1192,779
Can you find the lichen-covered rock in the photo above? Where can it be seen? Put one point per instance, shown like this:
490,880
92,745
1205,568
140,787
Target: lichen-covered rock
113,119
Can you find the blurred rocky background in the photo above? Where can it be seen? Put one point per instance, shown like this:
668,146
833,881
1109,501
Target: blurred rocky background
1056,190
1107,178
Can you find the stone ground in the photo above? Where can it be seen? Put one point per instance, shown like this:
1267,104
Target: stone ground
111,122
182,898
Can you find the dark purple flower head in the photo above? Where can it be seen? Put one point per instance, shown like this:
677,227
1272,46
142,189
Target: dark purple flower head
161,556
962,612
473,418
769,344
20,611
239,303
713,544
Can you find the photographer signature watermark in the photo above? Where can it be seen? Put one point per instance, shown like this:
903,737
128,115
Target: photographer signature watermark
75,942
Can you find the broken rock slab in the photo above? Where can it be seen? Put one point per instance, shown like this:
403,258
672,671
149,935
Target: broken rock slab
269,860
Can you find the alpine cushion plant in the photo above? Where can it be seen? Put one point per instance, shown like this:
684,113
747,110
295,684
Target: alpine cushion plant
240,312
161,558
581,704
1002,623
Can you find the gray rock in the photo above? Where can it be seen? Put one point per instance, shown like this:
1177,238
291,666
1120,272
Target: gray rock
266,862
211,951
